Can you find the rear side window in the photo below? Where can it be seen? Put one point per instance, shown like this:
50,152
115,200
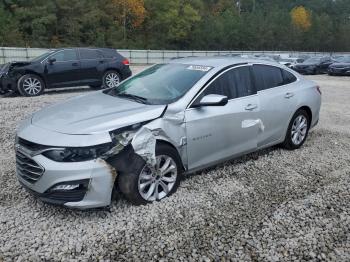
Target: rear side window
110,53
90,54
233,84
288,77
267,77
65,55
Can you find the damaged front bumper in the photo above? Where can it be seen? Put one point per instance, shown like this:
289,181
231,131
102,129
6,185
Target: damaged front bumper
7,84
79,185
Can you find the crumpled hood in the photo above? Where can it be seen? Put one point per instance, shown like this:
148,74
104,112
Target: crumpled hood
94,113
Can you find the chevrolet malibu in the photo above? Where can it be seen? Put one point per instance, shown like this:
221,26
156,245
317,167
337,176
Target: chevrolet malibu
141,137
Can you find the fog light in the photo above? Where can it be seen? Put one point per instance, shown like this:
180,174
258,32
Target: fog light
71,185
65,187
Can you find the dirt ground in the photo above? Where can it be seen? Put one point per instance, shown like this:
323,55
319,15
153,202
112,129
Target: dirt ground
270,205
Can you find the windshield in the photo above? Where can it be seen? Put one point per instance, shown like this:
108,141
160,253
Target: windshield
312,60
343,59
43,56
160,84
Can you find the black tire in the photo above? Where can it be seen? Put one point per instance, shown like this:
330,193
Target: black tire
25,89
128,184
109,73
288,141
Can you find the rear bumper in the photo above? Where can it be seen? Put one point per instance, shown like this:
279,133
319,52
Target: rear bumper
125,72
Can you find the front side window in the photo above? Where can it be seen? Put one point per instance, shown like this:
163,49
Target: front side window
267,77
233,84
42,57
65,55
160,84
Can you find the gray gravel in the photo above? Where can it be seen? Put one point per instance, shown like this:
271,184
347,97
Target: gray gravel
271,205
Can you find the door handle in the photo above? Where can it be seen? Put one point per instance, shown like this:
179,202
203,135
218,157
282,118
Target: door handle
289,95
250,107
101,62
75,64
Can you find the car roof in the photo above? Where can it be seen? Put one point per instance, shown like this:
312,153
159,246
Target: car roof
221,61
94,48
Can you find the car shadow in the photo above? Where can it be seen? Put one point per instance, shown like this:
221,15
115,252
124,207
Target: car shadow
239,160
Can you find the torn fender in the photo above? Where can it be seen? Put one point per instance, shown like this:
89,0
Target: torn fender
132,148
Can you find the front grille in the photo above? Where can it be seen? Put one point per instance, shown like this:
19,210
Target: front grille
27,168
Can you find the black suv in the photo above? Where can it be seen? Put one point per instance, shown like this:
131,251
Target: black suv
95,67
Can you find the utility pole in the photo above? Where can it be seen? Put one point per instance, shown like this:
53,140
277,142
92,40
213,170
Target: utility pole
238,4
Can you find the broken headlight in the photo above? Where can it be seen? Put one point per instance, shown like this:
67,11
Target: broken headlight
77,154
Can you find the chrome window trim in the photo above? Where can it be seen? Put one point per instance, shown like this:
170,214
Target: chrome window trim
54,53
209,83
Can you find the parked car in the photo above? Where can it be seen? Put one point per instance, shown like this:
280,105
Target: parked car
314,65
341,67
66,67
174,118
290,61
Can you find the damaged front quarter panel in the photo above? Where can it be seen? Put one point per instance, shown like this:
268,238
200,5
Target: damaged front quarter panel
138,146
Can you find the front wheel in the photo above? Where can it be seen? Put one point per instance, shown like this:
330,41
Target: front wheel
147,184
297,131
111,79
30,85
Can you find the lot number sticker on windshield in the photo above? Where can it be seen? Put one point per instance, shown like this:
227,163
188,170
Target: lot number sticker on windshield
199,68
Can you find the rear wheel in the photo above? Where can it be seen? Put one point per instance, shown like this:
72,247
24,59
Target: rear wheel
298,130
111,79
153,184
30,85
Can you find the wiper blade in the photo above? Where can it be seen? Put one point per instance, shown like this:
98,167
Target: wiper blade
134,97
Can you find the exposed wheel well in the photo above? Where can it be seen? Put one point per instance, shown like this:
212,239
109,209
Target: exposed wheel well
171,145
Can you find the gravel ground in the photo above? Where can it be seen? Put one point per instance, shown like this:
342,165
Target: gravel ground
270,205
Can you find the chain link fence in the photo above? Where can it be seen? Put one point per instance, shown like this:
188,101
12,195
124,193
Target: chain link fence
8,54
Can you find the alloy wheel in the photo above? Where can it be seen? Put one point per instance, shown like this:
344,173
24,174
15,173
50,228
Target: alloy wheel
32,86
299,129
112,79
156,183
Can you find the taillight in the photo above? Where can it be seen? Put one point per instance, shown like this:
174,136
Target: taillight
318,90
126,62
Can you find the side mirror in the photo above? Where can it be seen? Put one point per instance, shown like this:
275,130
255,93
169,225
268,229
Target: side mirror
212,100
52,60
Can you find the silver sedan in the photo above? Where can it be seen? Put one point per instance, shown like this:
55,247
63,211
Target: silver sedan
142,136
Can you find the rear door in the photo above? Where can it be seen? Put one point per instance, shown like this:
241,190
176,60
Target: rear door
64,71
92,65
216,133
277,101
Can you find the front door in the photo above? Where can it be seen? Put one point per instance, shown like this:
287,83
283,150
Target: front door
64,71
217,133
